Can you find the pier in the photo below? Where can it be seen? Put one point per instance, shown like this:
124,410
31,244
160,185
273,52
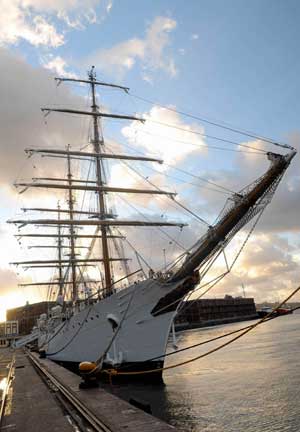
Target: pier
43,396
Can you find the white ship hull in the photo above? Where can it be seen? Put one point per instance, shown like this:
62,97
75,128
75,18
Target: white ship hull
141,336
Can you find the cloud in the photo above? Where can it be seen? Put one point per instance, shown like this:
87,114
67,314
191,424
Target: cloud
11,296
57,5
121,174
58,65
17,23
163,141
269,264
150,51
268,268
24,90
35,21
282,215
8,281
194,36
123,56
157,39
21,121
109,6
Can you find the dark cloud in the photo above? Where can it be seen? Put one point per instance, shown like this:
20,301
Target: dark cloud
24,90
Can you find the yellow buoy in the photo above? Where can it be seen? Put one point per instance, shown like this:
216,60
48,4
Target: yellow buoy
87,366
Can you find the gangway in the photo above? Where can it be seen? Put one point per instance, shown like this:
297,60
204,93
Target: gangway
31,337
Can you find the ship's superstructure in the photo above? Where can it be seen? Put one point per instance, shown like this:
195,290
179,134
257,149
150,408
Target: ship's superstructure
129,326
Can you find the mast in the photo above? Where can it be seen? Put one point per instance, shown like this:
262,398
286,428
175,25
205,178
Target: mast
72,232
59,249
97,140
100,218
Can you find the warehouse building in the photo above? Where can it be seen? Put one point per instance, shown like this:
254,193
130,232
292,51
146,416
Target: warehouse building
205,312
27,315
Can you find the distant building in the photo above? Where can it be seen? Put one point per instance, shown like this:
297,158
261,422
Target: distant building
194,313
205,312
27,315
9,330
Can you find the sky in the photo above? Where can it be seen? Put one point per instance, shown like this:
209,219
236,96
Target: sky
232,62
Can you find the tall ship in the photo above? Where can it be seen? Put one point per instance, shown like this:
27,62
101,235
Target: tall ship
122,319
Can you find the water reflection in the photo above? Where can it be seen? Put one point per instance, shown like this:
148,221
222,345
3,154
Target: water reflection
251,385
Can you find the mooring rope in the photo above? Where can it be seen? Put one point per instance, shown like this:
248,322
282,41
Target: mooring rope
114,372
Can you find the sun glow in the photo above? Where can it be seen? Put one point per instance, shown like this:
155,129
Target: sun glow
9,301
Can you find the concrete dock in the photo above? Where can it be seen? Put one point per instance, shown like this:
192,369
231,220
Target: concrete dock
33,406
30,405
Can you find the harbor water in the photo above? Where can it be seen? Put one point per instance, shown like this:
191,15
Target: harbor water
252,385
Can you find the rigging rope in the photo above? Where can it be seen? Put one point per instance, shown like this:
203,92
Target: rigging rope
209,340
207,136
72,338
228,191
187,182
169,197
134,249
147,219
173,126
114,372
218,278
214,123
213,147
98,362
224,189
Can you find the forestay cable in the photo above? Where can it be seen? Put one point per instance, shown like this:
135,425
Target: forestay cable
214,123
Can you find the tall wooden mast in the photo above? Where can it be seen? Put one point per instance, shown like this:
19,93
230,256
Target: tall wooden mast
101,218
97,140
59,250
72,232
